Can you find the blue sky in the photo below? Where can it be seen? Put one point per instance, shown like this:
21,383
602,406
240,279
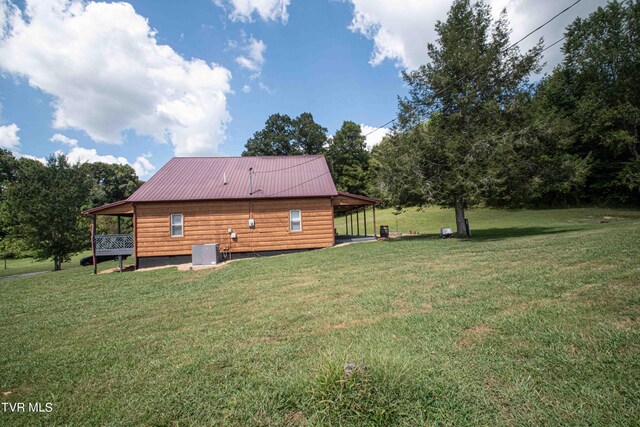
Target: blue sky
142,81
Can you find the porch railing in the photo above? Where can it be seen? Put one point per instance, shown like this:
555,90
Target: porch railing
114,244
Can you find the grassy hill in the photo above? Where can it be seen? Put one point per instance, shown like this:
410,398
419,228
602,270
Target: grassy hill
536,320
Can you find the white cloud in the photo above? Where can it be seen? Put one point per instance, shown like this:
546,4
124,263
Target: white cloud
400,30
9,138
107,73
58,137
27,156
90,155
246,89
143,166
254,50
265,88
244,10
374,138
78,154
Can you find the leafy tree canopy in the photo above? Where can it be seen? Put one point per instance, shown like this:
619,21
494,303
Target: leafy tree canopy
44,204
111,182
284,136
348,159
8,165
595,90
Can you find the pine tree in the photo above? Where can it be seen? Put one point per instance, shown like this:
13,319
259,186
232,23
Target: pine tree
471,91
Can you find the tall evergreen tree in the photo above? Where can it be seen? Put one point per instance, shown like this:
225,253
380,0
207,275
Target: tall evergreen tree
472,91
348,159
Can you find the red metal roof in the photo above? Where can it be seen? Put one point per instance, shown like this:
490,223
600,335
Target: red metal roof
103,207
202,178
359,197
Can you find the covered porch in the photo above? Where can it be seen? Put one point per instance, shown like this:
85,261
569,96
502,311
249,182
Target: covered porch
111,245
353,206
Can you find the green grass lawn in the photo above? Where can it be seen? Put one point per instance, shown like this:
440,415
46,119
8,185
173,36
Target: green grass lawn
29,265
536,321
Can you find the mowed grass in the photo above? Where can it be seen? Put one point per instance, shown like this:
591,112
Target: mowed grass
536,320
29,265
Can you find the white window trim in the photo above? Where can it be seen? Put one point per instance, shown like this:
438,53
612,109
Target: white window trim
291,230
171,225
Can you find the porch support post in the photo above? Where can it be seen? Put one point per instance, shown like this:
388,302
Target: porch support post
346,224
119,256
358,221
364,212
135,237
93,244
351,215
375,232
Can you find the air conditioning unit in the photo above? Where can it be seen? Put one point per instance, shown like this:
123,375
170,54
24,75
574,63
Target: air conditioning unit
208,254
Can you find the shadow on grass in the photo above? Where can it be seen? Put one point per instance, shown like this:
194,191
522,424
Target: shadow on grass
491,234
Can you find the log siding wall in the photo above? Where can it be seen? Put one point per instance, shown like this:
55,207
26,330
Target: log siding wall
209,221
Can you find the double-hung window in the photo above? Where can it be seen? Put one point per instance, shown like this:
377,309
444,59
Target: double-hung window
176,225
295,220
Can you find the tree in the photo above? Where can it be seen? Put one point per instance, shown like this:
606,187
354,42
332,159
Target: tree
44,204
595,90
348,159
310,137
276,139
397,174
111,182
8,166
284,136
472,91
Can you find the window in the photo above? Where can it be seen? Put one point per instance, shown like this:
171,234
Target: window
176,225
295,220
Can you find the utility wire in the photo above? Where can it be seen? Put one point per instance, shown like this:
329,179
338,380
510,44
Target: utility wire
467,161
456,82
290,167
298,185
545,24
504,50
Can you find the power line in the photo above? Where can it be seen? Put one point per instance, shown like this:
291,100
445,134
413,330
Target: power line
290,167
297,185
553,44
545,24
504,50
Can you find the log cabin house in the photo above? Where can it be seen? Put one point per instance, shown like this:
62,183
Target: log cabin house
246,205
